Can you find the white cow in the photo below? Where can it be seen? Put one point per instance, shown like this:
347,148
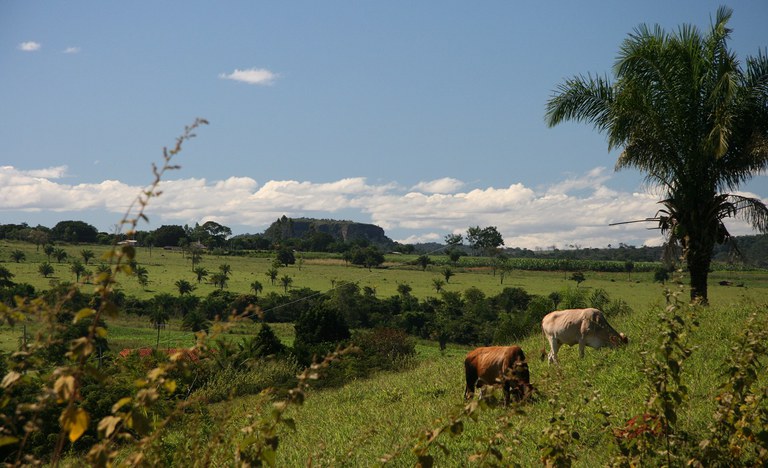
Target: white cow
587,327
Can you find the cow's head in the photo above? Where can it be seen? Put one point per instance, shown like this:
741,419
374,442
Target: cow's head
618,340
520,381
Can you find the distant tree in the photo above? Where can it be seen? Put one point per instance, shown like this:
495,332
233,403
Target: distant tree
77,269
272,274
195,255
368,257
438,284
256,287
285,257
404,289
184,286
87,255
195,321
219,280
448,274
225,269
484,240
321,324
423,261
556,298
455,254
661,275
158,317
38,237
267,343
629,266
142,275
453,240
48,249
45,269
59,254
74,231
169,235
18,256
286,281
212,234
578,277
201,273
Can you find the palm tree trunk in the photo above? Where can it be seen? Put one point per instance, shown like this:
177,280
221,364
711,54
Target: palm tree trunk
698,261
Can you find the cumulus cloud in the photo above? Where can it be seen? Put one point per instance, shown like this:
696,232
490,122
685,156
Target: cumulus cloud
72,50
29,46
444,185
575,211
253,76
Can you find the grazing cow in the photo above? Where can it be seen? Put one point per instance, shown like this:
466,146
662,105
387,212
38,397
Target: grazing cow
587,327
498,364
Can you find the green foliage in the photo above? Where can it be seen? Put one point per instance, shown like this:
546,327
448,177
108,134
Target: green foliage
285,257
319,330
18,256
74,232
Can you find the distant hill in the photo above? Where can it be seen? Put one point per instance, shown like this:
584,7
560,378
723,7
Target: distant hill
346,231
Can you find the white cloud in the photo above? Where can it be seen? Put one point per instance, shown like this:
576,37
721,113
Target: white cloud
444,185
29,46
254,76
72,50
569,212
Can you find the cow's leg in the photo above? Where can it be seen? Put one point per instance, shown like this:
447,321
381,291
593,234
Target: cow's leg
581,347
553,347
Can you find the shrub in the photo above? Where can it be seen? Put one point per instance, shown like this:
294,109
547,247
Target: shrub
318,331
279,374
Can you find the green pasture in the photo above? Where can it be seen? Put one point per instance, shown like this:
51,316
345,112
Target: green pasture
369,420
320,274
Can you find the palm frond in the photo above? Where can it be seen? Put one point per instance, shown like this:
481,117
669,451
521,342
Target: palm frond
583,99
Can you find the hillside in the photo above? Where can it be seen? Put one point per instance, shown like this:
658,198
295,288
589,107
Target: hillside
344,231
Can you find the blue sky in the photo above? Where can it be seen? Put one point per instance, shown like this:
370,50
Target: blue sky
422,117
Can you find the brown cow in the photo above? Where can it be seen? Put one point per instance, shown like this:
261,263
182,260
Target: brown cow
504,365
587,327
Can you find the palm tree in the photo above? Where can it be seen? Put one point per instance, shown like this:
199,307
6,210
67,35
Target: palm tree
201,273
45,269
256,287
286,281
48,250
184,287
219,280
684,112
60,254
87,255
225,269
142,275
447,274
272,273
77,269
18,256
158,317
438,284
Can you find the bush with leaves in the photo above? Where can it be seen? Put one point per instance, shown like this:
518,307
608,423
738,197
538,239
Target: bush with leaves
318,331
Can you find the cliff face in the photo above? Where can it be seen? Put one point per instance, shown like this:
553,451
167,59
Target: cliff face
286,228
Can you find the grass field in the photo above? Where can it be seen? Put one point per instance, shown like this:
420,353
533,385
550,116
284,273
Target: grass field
381,418
368,420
